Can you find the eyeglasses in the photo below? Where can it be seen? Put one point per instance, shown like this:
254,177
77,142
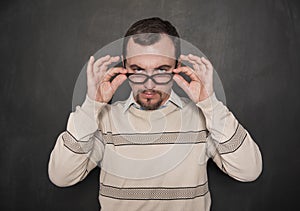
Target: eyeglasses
160,78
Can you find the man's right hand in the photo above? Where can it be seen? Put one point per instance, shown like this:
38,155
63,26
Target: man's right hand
99,85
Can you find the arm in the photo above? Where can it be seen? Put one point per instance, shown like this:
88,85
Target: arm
80,148
230,145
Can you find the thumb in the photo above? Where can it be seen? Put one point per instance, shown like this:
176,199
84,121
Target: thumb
182,83
117,81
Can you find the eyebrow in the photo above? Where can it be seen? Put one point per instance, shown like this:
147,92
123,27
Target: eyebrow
134,66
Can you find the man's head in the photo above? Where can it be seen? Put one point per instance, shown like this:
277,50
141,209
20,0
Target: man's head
151,46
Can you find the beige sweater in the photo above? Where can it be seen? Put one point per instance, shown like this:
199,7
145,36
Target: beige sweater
153,160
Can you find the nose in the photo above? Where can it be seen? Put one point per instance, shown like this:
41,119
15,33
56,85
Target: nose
149,84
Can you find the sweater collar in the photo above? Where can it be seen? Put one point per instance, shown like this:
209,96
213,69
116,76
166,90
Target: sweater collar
174,98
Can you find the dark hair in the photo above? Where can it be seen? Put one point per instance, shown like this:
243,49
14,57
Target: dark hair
148,31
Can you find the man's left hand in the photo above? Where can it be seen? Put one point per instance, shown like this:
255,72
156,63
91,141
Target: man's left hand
201,85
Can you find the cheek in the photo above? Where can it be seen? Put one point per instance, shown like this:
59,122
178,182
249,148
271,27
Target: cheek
134,87
165,88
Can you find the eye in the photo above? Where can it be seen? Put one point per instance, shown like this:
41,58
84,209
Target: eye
161,70
138,71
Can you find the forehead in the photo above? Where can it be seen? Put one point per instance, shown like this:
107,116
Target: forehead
150,61
164,47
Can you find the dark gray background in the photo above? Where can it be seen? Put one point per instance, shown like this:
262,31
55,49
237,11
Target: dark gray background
253,45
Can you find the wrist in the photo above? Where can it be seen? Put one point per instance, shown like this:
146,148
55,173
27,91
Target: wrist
92,107
208,102
95,98
204,96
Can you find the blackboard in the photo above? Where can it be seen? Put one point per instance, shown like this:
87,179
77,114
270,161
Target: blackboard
253,45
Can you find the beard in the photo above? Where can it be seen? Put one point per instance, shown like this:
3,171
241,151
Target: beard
148,104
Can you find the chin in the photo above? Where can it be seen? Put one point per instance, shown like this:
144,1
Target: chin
147,105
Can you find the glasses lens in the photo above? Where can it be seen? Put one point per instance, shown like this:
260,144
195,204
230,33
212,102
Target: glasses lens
137,78
162,78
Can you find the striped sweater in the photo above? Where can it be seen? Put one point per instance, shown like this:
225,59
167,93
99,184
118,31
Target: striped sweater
153,160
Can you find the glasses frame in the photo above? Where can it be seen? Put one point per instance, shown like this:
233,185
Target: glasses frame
150,77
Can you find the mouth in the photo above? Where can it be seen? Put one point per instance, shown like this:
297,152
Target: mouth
149,99
149,93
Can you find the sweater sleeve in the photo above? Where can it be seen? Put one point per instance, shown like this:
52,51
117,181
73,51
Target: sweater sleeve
79,149
229,143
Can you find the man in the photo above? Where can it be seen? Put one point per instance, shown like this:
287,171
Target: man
153,147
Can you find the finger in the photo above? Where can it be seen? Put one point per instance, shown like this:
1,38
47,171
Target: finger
182,83
89,69
99,63
104,65
188,71
188,57
196,66
193,60
199,62
117,81
112,72
181,59
101,60
207,63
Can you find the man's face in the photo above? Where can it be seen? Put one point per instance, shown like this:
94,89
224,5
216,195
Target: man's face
153,59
